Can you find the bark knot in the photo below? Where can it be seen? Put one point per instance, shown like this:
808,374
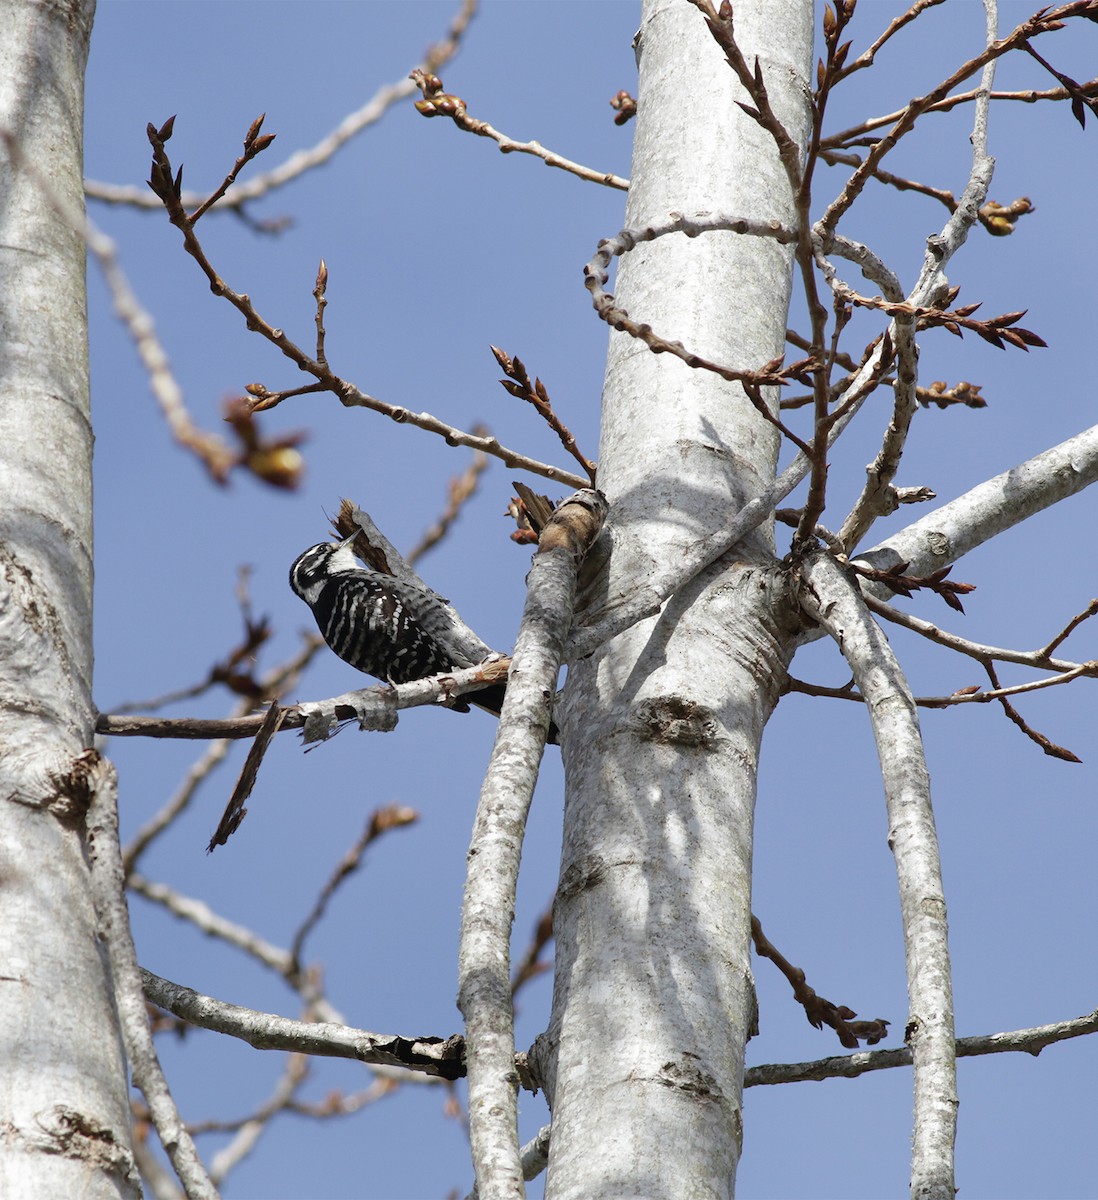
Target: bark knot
688,1077
677,721
77,1135
75,788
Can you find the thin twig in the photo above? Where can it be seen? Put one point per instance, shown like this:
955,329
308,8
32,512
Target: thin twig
518,384
437,102
819,1011
484,985
596,276
865,59
650,594
1021,1041
302,161
875,497
531,965
1016,718
274,683
166,185
1042,22
1028,96
1040,659
247,1136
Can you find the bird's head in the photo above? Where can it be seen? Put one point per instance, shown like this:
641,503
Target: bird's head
313,568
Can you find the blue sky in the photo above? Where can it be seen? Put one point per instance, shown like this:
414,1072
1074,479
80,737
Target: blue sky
438,245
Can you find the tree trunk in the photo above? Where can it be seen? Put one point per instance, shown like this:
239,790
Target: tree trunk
654,997
64,1107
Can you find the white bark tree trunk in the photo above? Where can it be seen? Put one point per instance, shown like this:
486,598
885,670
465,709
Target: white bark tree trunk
654,996
64,1106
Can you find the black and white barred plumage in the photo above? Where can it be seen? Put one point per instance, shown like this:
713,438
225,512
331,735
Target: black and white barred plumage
392,629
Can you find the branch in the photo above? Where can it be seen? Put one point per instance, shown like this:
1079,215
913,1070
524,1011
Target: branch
274,684
437,102
214,452
865,59
484,985
235,810
534,1157
302,161
950,531
518,384
199,913
373,708
532,964
850,1066
435,1056
1027,96
167,186
651,593
831,596
461,490
211,757
876,497
819,1011
393,816
248,1131
1040,659
1042,22
1024,1041
963,696
596,274
108,888
1016,718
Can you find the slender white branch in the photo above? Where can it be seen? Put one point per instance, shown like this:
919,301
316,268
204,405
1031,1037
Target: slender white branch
442,1058
108,886
484,968
534,1156
214,754
832,598
947,533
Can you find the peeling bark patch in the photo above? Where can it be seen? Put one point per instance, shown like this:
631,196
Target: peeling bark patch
73,790
689,1078
28,599
585,873
674,720
21,582
76,1135
938,543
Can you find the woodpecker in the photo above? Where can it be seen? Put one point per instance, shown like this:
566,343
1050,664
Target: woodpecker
386,627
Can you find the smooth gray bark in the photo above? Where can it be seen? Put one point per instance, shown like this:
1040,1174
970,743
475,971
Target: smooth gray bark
64,1104
643,1061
